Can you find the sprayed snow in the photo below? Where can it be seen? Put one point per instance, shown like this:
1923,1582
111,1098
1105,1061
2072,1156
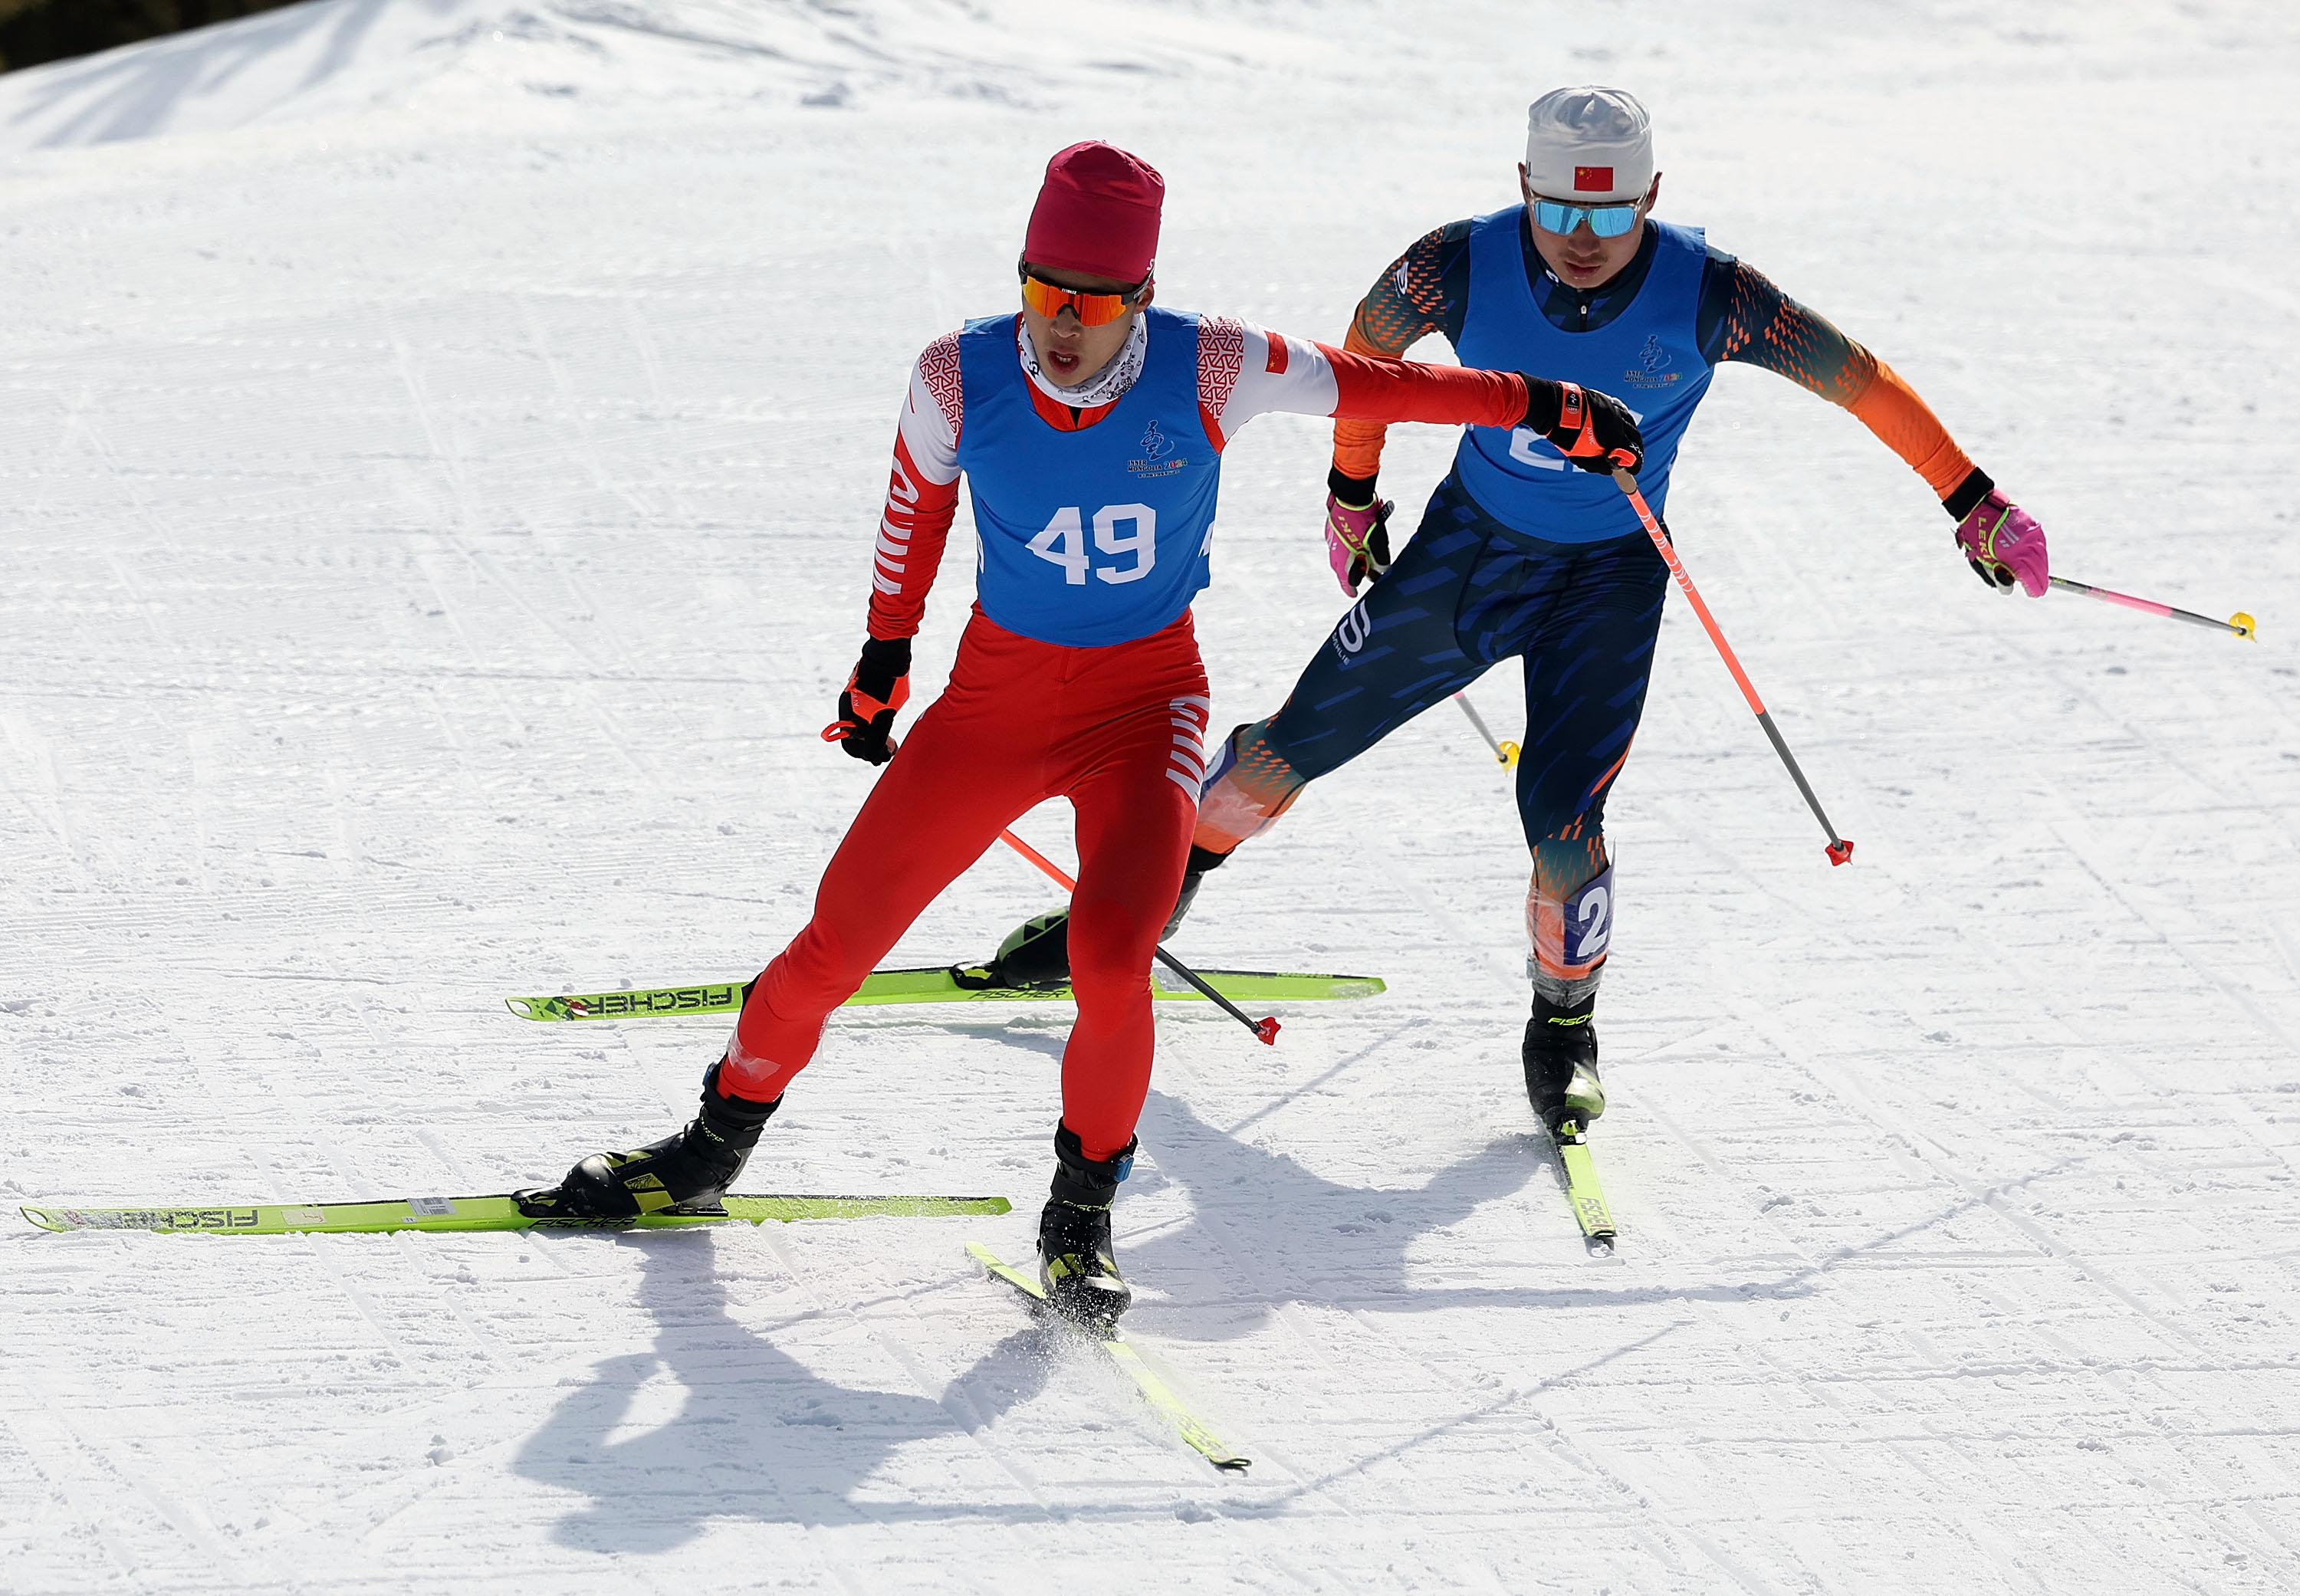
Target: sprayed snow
438,512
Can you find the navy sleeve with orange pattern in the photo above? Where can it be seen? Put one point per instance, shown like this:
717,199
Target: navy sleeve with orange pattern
1757,323
1423,291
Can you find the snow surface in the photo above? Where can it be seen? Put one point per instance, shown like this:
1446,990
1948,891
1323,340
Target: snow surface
441,443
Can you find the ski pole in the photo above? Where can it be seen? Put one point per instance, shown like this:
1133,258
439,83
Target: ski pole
1504,753
2238,623
1840,851
1265,1029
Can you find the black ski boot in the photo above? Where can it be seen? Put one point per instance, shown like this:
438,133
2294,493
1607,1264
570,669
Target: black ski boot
1075,1261
1037,954
1561,1063
685,1172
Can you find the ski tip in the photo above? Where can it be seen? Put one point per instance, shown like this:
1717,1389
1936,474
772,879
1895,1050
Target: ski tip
1600,1246
44,1219
548,1008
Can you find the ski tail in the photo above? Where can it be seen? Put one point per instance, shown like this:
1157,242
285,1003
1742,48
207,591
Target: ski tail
1582,1188
1193,1430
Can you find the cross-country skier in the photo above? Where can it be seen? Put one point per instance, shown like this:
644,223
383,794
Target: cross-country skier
1090,428
1518,554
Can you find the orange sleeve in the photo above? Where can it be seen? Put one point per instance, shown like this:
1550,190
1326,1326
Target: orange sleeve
1904,423
1357,445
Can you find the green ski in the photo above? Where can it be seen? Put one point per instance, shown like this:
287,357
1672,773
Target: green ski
942,984
1186,1424
1582,1188
481,1213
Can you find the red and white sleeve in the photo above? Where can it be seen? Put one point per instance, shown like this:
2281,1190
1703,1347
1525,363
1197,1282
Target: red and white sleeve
921,493
1244,371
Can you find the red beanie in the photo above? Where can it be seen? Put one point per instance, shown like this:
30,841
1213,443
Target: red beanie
1097,212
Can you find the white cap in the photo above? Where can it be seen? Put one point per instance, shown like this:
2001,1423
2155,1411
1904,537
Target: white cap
1588,144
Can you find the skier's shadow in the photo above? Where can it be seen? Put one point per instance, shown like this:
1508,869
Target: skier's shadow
1262,1215
1264,1228
716,1421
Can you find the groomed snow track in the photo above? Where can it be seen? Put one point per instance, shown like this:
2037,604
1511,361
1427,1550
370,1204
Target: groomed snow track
439,446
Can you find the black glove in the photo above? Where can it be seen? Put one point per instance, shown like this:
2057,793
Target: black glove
1595,431
879,687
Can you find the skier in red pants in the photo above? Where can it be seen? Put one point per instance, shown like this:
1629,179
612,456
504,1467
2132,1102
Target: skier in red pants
1091,429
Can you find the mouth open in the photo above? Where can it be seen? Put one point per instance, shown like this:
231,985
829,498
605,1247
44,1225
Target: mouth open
1062,361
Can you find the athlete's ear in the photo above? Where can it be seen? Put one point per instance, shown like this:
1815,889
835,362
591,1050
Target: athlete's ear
1149,293
1653,194
1525,182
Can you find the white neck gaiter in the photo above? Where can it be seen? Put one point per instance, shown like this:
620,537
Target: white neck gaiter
1105,386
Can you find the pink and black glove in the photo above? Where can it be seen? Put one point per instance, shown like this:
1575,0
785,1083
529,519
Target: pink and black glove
2004,545
1357,530
879,687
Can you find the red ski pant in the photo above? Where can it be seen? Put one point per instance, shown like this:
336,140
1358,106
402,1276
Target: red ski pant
1118,730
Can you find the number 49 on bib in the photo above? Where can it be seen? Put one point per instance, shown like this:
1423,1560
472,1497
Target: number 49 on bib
1063,543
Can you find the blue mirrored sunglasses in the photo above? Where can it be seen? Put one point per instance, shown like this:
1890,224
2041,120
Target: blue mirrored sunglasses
1607,221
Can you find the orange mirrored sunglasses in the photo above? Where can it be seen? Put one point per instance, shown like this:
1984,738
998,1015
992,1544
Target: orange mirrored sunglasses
1093,309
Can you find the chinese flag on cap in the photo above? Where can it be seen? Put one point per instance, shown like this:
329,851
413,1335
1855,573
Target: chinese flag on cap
1593,180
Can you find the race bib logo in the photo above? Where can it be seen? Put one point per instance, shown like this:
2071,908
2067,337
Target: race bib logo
1156,457
1652,369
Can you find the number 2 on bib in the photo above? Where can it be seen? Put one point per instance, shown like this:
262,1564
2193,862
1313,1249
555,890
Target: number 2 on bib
1063,543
